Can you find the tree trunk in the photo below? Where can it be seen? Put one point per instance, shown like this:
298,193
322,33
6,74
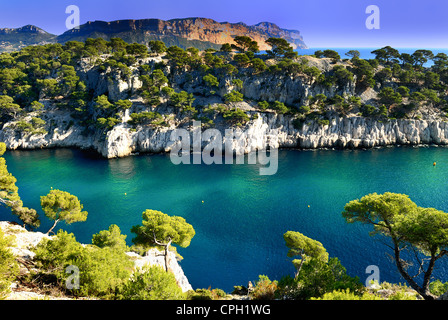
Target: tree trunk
427,278
54,225
167,248
300,266
422,290
298,270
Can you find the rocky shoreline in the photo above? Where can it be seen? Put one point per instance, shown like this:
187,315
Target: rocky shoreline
341,133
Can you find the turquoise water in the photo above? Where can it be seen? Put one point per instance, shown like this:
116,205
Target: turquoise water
240,225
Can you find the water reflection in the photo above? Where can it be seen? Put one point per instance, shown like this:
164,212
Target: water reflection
124,168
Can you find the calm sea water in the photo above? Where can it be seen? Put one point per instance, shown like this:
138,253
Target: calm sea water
240,225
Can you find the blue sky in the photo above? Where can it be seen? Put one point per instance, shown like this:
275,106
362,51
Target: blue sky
323,23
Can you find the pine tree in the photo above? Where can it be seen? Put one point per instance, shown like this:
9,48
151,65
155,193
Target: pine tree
62,206
159,229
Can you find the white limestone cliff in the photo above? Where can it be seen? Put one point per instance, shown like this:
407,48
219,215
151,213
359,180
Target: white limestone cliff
346,132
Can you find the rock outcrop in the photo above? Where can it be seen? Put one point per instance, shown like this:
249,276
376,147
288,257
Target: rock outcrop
359,132
25,240
156,257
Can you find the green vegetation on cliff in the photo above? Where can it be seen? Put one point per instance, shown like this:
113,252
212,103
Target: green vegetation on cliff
97,81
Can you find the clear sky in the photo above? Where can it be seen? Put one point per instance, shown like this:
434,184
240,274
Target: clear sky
323,23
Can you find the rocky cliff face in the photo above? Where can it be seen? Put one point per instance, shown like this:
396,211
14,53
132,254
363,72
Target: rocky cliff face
201,29
155,257
353,132
347,132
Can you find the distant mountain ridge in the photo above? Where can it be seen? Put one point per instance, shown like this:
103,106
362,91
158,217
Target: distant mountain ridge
202,33
13,39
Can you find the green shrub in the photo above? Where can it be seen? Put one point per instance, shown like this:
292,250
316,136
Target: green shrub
403,90
8,265
182,99
102,271
368,110
102,102
233,96
200,294
53,255
264,289
205,294
263,105
317,278
236,116
111,238
280,107
258,65
402,295
347,295
36,126
438,287
218,294
24,126
238,83
304,109
152,283
178,56
157,46
388,96
239,290
210,80
108,123
342,75
146,117
242,60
